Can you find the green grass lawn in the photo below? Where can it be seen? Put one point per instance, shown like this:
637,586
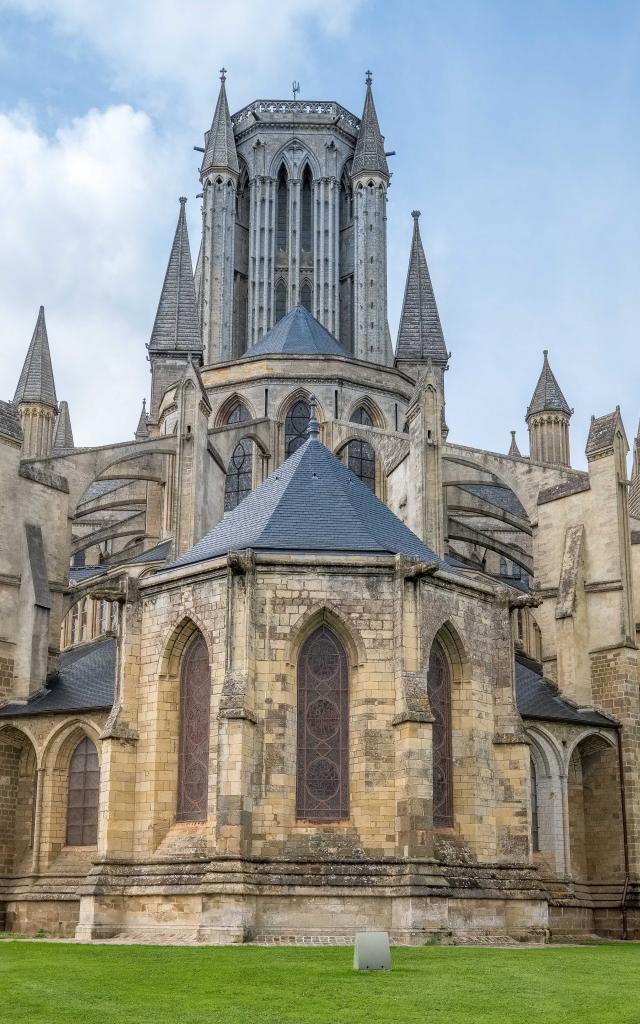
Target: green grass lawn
48,982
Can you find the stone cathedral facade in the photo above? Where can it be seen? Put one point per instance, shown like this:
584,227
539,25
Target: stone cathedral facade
294,662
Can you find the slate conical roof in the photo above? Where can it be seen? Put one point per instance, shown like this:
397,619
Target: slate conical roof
513,447
313,502
36,382
420,334
142,430
63,436
298,333
220,145
369,156
547,396
177,324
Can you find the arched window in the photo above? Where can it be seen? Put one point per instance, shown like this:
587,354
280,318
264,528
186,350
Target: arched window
535,829
322,776
193,751
282,212
305,295
306,212
439,691
295,426
281,300
360,455
240,469
83,796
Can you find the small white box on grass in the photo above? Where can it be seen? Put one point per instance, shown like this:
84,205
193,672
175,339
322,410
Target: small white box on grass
371,952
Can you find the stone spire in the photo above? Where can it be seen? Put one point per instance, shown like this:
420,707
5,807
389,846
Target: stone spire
634,487
548,418
513,447
142,430
63,436
36,382
177,326
420,334
220,146
369,157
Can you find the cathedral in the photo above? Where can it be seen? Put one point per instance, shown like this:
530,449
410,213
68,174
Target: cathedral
292,662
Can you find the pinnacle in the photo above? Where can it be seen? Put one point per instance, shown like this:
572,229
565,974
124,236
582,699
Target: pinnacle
547,396
369,156
514,451
142,430
63,435
420,334
177,324
36,383
220,144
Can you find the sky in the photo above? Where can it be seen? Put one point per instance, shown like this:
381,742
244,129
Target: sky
515,127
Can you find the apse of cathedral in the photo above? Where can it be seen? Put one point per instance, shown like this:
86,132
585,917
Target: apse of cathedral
292,662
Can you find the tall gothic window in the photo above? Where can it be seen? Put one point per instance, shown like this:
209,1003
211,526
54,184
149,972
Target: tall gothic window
360,455
295,426
83,795
240,469
243,199
439,691
193,755
346,201
281,300
306,212
305,296
322,775
535,828
282,212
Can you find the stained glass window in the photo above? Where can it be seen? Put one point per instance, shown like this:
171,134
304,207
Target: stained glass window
322,778
306,218
439,690
240,469
83,795
295,427
535,828
193,756
282,212
361,457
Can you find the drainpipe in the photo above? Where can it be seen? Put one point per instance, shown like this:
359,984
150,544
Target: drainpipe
625,834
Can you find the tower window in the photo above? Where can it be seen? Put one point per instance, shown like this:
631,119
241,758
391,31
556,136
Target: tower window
282,212
306,213
295,427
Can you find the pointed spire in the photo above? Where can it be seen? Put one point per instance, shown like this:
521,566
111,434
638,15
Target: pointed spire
142,430
36,382
514,451
220,144
177,324
369,157
63,436
420,334
634,487
547,396
312,428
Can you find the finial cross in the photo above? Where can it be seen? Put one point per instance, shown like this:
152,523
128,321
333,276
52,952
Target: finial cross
223,74
368,78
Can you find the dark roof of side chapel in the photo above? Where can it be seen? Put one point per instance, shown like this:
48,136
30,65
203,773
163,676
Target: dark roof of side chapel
80,573
10,421
298,333
154,554
313,502
85,682
536,697
547,396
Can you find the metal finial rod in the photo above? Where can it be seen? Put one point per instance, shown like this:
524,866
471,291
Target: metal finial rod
295,86
312,430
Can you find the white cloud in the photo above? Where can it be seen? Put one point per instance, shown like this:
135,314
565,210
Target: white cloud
86,223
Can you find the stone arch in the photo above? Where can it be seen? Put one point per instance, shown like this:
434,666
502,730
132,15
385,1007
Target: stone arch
594,808
325,613
227,407
359,461
292,397
18,769
57,754
282,156
279,298
372,408
547,759
179,636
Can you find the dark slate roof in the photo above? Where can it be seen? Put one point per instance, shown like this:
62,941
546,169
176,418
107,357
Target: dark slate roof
313,502
63,435
36,382
177,324
155,554
369,155
86,682
298,333
420,334
496,494
220,145
547,396
602,433
10,421
80,573
536,697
